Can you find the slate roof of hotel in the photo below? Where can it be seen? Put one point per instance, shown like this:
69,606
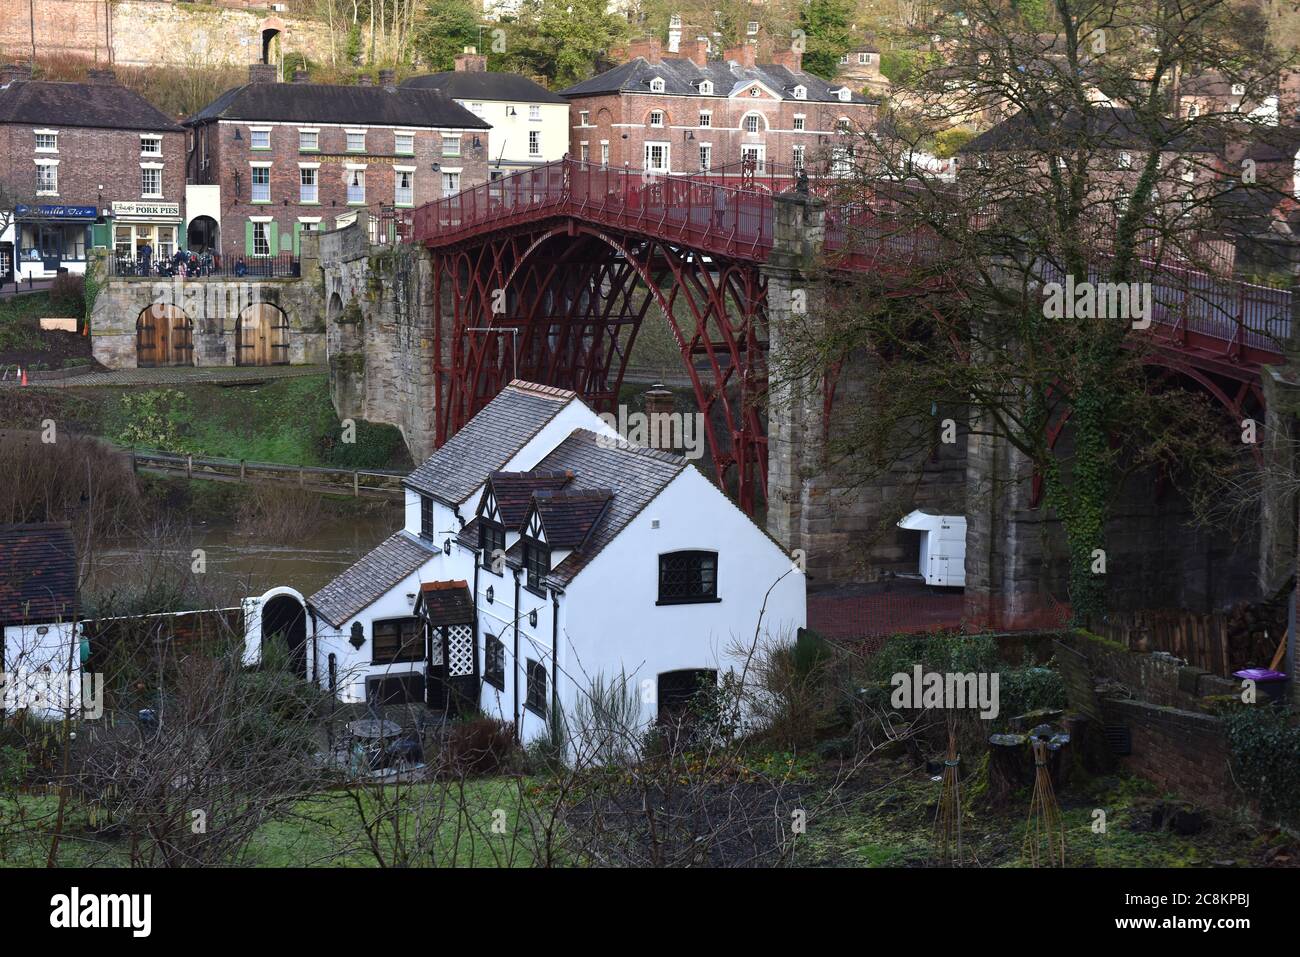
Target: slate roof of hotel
107,106
328,103
682,77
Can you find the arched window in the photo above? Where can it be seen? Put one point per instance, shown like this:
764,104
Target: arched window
753,123
656,118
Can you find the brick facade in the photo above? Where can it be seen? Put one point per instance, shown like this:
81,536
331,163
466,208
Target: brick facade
222,153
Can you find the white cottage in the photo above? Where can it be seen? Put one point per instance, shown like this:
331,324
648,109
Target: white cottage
40,651
540,551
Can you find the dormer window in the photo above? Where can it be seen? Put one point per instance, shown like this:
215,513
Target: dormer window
537,554
845,94
491,533
706,88
801,93
657,85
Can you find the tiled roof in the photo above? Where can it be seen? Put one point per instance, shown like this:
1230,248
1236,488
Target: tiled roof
682,77
1107,128
514,491
568,517
38,574
634,476
446,603
326,103
387,564
488,441
106,106
469,85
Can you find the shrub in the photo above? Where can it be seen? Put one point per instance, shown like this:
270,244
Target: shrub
375,446
153,420
479,746
1265,749
68,295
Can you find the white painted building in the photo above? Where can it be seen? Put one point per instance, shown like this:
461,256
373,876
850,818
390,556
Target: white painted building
540,551
40,648
530,124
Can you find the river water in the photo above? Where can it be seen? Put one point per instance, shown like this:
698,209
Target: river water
234,564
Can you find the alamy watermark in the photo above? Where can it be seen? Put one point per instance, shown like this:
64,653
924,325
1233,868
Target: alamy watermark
946,691
1129,301
680,432
53,692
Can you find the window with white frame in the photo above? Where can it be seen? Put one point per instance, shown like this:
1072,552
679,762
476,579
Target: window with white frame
47,177
845,94
584,151
150,181
584,118
656,118
842,125
657,85
151,146
801,93
798,122
404,187
656,157
450,145
604,152
751,27
534,142
356,141
47,141
404,143
261,239
260,138
534,113
450,183
754,155
706,156
844,59
261,180
308,184
751,123
864,59
797,158
356,179
706,117
706,88
308,141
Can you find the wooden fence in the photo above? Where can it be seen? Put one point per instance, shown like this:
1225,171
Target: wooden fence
355,482
1216,642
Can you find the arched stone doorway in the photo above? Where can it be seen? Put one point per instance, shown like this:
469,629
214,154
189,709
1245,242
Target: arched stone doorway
284,625
262,336
164,336
203,235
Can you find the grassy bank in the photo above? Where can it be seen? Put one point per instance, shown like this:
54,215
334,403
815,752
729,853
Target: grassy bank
283,420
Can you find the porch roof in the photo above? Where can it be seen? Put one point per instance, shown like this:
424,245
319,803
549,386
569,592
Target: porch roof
38,574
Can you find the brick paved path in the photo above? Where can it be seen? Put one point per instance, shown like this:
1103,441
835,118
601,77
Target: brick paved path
178,375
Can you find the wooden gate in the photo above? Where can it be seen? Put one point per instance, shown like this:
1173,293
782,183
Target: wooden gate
262,336
164,336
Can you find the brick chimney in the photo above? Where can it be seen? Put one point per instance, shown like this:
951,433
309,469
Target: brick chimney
659,399
101,77
365,79
14,71
791,59
697,51
471,61
301,76
388,79
743,54
648,47
262,72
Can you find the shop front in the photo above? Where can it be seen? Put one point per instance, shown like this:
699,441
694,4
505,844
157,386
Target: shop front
144,234
51,238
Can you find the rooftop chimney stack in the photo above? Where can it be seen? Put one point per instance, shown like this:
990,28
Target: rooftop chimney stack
365,79
743,55
262,72
791,59
471,61
697,51
648,47
101,77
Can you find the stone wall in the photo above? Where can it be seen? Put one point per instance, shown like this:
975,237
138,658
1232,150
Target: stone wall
379,320
213,306
154,32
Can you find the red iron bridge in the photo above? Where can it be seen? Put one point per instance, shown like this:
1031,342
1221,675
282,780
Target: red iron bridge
547,275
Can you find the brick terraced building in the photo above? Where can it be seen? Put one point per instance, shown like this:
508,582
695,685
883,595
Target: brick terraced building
295,157
84,164
690,114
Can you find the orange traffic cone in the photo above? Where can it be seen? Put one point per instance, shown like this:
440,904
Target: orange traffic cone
24,375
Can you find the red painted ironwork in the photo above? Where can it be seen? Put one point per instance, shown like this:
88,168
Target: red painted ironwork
548,274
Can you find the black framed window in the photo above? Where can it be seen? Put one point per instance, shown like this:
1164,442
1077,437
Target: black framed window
395,689
491,540
537,563
536,700
494,662
426,517
686,577
396,639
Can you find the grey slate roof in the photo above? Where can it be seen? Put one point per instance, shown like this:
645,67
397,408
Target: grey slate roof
105,106
569,517
634,475
467,85
681,76
327,103
1106,128
379,570
488,441
38,574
